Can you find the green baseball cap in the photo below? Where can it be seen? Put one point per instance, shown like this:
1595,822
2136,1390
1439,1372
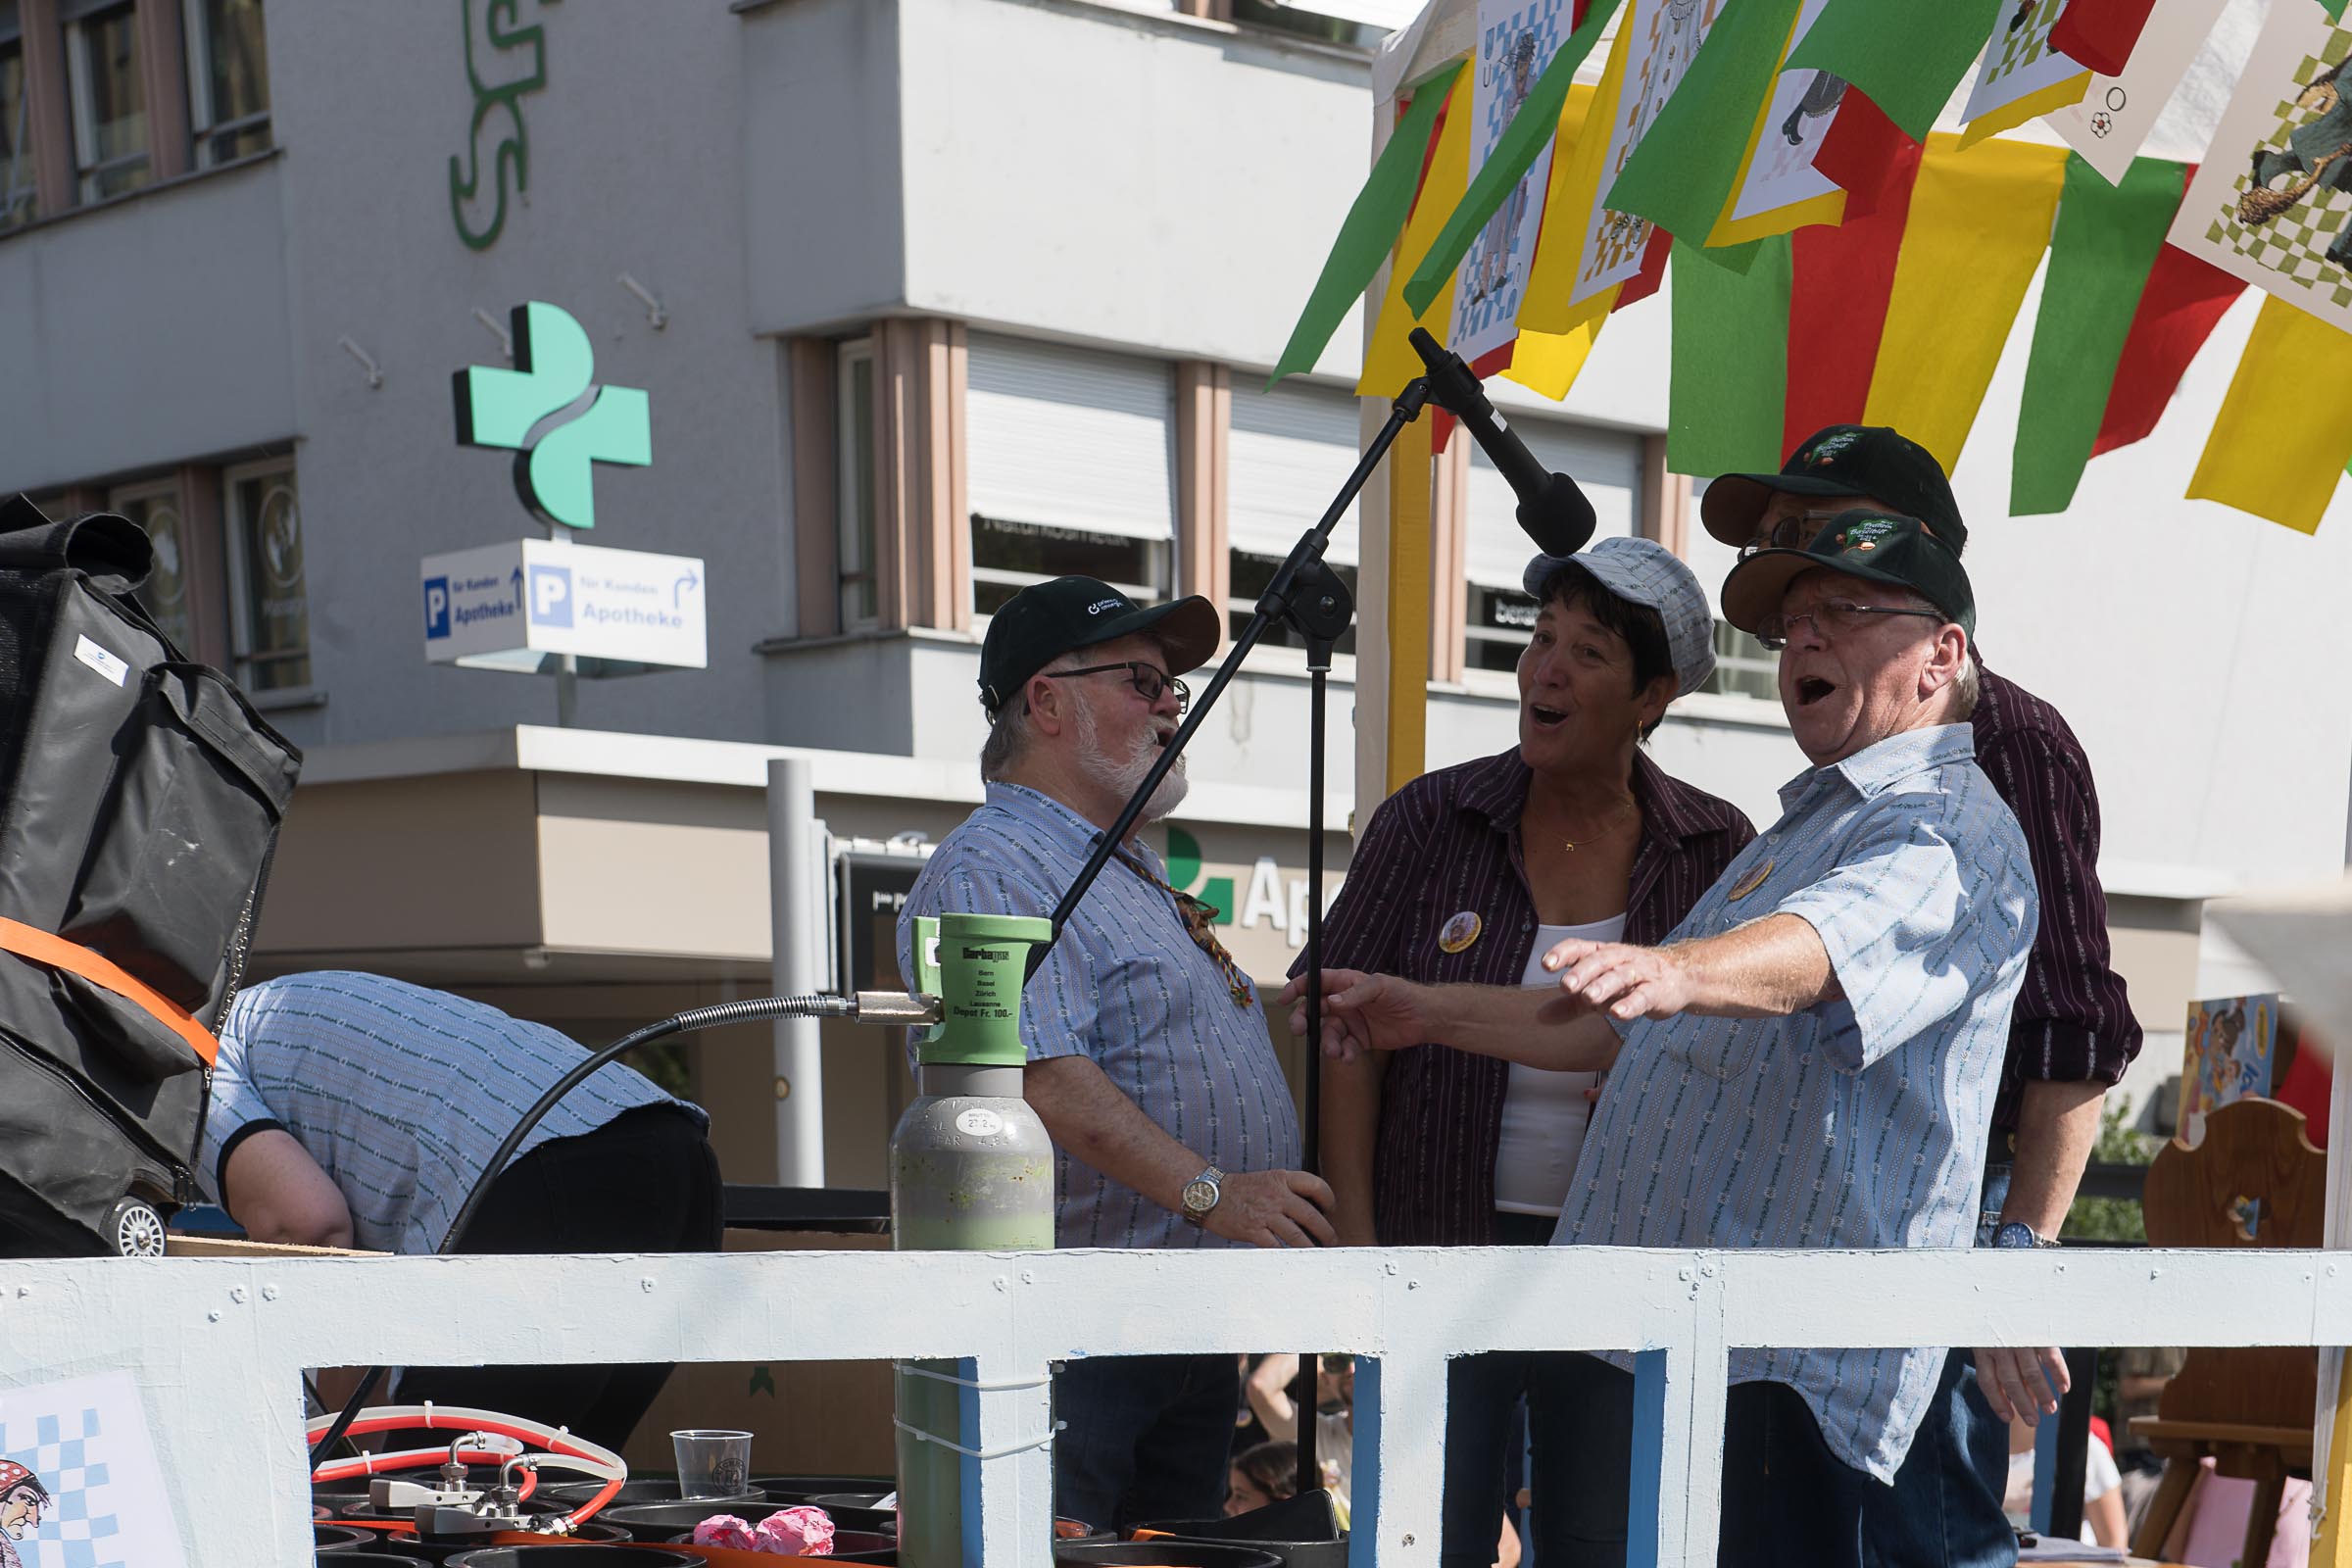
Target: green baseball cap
1046,619
1875,545
1841,462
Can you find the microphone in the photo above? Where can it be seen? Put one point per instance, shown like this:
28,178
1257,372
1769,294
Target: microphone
1553,510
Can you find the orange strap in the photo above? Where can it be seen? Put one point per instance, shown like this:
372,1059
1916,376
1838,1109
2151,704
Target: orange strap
44,947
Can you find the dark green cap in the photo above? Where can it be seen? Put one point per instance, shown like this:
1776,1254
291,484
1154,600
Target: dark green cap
1875,545
1841,462
1046,619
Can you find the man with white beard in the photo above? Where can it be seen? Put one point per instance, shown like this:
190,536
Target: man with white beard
1149,1057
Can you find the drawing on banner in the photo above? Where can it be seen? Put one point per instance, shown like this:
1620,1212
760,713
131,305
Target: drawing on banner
2282,219
2117,113
1516,40
2021,62
1665,35
79,1486
1797,121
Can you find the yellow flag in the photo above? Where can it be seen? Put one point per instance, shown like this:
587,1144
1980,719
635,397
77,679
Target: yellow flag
1978,222
2277,450
1389,360
1568,204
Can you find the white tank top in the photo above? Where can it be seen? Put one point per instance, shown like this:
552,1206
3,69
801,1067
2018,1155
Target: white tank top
1544,1113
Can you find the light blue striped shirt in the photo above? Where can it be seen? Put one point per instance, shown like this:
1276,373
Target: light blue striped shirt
1859,1123
399,1093
1127,988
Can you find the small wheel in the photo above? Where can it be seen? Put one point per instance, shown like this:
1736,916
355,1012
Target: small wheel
135,1229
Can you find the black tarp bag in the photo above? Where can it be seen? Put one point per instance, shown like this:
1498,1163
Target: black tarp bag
140,798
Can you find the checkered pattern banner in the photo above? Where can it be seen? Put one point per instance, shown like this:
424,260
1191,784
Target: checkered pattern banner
79,1526
2295,244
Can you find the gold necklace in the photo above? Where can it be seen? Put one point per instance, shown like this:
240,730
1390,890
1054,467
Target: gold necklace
1611,820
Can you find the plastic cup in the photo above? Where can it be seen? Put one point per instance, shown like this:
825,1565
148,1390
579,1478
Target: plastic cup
712,1463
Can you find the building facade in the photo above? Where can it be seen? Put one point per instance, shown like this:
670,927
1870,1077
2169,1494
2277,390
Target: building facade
928,299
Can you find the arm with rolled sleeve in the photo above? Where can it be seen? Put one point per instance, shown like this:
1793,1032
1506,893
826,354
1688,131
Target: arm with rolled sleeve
1913,924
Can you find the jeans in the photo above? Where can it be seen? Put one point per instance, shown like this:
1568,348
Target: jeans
1787,1500
1149,1439
1944,1509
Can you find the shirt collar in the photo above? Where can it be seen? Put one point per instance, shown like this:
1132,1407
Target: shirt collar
1877,768
1037,809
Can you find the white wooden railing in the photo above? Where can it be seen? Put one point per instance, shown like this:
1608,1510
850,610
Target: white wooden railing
216,1345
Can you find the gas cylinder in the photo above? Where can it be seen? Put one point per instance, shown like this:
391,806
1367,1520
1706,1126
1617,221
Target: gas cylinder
971,1168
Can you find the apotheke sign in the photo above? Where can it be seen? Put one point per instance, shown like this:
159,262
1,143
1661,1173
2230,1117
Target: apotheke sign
508,607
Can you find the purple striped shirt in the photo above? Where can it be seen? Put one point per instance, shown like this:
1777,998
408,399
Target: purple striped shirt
1449,842
2073,1022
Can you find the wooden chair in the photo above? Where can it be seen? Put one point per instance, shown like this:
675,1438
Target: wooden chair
2250,1409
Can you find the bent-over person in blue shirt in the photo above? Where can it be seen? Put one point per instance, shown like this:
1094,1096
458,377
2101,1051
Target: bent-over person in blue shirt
1810,1058
1150,1060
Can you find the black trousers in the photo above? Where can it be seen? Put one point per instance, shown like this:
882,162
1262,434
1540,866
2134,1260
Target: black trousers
644,1182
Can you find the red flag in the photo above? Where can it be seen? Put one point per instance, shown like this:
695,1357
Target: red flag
1838,300
2100,33
2184,297
1642,284
1861,151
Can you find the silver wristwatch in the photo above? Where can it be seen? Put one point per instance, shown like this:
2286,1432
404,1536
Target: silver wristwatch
1201,1193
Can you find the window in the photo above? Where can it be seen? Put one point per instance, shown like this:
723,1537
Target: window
109,101
19,203
269,602
1287,453
228,80
156,507
1070,465
1744,666
1606,465
1357,23
853,484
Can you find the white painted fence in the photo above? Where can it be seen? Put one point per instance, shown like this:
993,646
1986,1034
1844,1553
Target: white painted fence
215,1344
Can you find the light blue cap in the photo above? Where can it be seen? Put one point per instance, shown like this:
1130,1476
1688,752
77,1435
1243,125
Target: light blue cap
1642,571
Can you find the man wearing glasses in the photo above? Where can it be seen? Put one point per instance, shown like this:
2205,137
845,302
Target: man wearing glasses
1809,1060
2073,1033
1150,1060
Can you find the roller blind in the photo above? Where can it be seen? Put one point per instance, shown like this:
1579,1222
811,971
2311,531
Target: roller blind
1287,453
1605,464
1069,438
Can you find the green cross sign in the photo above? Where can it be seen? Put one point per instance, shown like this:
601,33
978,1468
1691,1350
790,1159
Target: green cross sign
549,413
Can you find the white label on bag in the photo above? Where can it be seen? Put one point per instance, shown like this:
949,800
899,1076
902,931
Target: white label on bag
111,666
979,1123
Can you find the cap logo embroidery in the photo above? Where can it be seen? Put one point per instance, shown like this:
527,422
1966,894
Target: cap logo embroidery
1100,605
1866,535
1825,451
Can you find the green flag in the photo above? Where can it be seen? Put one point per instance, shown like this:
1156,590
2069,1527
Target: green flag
1513,154
2106,239
1729,377
1908,55
2334,9
1681,172
1372,226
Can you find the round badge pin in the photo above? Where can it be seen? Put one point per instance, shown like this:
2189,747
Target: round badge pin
1459,932
1752,881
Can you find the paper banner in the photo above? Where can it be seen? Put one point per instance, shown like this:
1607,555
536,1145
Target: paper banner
1730,371
1516,40
2023,76
2289,131
1389,359
2183,300
1686,171
2277,448
2111,124
1838,300
1779,188
2102,33
87,1441
1659,40
1906,55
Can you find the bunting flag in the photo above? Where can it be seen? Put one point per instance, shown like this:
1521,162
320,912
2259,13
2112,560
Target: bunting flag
1781,187
2112,123
1860,153
2185,300
1840,282
2102,251
2025,76
1371,227
1906,55
1388,358
1684,171
1550,309
1516,40
2277,450
1980,220
1730,347
1527,137
2102,34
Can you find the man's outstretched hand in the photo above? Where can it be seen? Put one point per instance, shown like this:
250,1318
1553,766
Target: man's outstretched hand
1364,1012
1616,980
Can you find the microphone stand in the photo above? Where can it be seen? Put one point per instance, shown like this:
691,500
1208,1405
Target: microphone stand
1306,594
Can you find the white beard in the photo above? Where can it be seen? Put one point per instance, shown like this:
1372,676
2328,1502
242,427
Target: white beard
1120,775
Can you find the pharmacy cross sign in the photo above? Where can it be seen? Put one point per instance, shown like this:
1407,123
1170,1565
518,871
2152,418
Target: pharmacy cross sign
552,416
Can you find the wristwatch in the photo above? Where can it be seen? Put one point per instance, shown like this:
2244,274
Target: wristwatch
2017,1235
1201,1193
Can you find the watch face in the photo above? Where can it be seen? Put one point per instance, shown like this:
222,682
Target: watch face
1199,1196
2016,1234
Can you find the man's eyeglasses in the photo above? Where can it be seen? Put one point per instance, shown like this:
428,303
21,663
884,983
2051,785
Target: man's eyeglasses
1792,532
1149,681
1831,618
